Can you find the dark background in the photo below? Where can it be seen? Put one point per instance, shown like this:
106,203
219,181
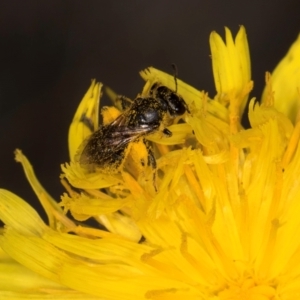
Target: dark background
50,50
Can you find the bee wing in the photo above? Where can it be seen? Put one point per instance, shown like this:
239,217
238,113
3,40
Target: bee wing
107,145
121,120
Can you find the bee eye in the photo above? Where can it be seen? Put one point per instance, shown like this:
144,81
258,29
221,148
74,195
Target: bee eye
148,117
176,105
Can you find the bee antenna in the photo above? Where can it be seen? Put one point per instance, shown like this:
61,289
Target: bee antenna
174,67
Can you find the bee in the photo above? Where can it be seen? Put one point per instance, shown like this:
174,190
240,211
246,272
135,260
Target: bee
108,146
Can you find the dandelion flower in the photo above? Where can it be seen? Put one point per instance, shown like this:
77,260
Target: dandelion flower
222,224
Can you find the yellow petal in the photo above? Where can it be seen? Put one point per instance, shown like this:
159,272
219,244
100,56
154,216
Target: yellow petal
179,134
18,282
18,214
87,113
260,114
285,83
79,178
53,210
231,68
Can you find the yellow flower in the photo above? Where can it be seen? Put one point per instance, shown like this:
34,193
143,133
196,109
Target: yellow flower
223,223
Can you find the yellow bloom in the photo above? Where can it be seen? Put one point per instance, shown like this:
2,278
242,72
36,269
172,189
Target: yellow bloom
223,223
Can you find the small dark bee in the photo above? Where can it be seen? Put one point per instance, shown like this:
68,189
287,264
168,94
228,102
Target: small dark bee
106,148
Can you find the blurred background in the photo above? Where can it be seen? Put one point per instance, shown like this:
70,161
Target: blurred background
50,50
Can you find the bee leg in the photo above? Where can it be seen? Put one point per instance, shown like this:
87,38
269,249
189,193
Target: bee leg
151,162
123,102
167,132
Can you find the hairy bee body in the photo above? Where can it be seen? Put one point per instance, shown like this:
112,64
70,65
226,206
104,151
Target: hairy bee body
108,146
